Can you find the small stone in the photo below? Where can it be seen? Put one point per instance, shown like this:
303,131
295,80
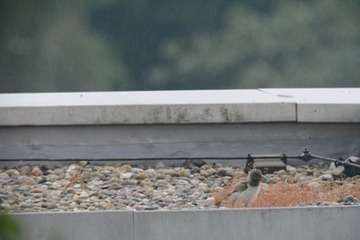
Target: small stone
191,163
290,168
151,172
84,195
326,177
128,182
211,171
114,180
26,205
309,172
274,179
36,171
105,205
336,171
91,208
24,180
198,162
137,170
184,172
52,177
204,173
142,176
151,208
222,172
161,183
126,176
5,206
292,173
83,163
51,206
281,173
72,169
42,180
73,205
204,187
4,175
58,171
160,165
76,198
117,186
348,198
183,182
37,190
206,166
168,171
12,172
25,170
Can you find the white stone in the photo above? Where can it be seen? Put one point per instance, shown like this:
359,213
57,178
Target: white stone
126,176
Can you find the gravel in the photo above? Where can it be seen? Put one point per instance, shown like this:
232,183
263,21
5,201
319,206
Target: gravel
86,187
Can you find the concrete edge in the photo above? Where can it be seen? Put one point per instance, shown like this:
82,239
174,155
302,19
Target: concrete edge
181,107
255,223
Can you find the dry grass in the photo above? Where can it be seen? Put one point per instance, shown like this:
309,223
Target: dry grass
292,193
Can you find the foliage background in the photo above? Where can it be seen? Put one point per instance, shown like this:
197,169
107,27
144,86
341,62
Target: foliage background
117,45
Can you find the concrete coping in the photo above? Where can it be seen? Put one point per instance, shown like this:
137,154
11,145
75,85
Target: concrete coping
262,223
179,107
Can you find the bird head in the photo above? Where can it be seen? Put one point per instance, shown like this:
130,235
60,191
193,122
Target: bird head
255,177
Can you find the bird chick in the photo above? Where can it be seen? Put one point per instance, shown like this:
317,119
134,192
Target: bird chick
247,190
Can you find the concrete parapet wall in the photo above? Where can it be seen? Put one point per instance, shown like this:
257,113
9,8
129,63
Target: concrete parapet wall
156,107
331,223
176,107
323,105
114,125
76,226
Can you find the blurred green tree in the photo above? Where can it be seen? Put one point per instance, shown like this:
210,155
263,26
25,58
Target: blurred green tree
9,229
295,44
49,46
77,45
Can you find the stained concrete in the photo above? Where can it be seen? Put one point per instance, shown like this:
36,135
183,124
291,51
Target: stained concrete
153,107
180,140
76,225
323,105
330,223
111,125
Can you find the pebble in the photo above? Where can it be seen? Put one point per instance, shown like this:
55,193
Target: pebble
25,180
12,172
37,190
4,175
36,171
326,177
126,176
126,187
350,198
184,172
204,173
51,206
84,195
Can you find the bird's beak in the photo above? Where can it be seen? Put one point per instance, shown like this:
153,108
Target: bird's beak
263,178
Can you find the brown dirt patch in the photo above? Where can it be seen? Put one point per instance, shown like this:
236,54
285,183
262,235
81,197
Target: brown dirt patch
290,192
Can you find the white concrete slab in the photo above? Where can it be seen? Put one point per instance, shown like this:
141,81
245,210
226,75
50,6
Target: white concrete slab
157,107
80,226
329,223
135,98
323,105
